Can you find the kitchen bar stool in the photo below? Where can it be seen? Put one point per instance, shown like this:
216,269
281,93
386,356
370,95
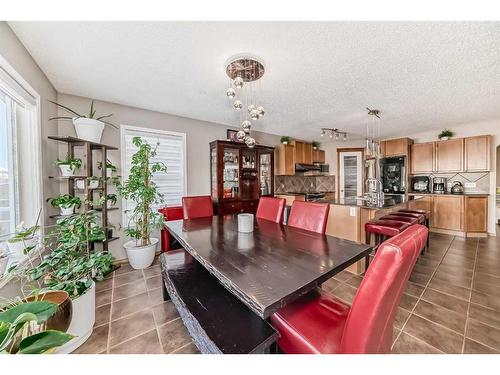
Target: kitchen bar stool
426,215
406,218
382,229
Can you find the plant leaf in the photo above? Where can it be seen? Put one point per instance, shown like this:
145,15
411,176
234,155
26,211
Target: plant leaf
66,108
43,341
42,310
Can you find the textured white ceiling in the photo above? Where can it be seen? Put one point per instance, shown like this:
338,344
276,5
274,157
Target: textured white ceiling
421,75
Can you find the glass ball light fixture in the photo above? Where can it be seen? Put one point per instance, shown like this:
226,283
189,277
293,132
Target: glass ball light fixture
244,71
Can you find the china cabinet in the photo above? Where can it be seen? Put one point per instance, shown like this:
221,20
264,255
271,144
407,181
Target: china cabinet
239,176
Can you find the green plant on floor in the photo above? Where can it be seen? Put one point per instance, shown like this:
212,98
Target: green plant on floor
65,201
140,189
285,140
72,163
91,114
71,265
446,134
15,335
108,165
316,144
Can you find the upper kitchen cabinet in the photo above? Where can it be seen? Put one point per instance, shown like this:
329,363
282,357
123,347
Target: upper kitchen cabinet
319,156
285,160
450,155
422,158
303,152
395,147
477,153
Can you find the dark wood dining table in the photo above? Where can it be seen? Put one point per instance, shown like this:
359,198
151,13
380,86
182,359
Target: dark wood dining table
270,267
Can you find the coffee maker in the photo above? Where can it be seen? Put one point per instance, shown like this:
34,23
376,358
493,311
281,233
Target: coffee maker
439,185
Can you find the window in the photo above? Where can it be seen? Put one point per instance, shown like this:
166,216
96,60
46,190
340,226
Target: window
171,151
20,169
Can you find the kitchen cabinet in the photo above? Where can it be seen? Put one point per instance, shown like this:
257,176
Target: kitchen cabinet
476,214
299,151
285,160
450,155
308,153
477,153
448,212
395,147
422,158
319,156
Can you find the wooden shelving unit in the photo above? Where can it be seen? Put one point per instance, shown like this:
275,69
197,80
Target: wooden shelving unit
89,149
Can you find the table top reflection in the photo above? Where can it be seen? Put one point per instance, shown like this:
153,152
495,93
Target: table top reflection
270,267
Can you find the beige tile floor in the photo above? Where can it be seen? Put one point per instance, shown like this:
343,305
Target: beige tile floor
451,305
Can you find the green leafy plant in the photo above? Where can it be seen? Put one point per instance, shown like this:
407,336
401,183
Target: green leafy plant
72,265
316,144
65,201
108,165
112,198
15,321
285,139
446,133
143,191
74,164
23,233
91,114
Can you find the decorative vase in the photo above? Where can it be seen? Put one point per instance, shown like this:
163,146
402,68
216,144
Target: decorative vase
88,129
141,257
66,170
67,211
82,321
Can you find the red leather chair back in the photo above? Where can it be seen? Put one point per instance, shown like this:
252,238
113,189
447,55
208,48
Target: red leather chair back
271,209
169,213
195,207
370,321
309,216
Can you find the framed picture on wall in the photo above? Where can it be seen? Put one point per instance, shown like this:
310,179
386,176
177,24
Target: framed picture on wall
231,135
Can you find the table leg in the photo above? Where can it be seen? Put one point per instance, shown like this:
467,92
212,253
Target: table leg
166,296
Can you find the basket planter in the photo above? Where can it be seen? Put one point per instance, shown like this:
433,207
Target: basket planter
141,257
88,129
82,321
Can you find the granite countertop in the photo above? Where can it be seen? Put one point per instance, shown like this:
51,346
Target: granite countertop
304,193
476,194
389,201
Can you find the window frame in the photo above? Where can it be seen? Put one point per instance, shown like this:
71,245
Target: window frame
123,130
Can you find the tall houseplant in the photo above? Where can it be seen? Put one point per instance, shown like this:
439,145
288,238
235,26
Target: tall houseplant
140,189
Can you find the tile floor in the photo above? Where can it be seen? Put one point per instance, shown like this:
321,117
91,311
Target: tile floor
451,305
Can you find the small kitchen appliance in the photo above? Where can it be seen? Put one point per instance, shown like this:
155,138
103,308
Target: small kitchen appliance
439,185
393,173
457,188
420,184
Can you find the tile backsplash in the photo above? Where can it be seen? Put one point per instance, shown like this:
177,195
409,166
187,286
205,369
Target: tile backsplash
480,179
304,184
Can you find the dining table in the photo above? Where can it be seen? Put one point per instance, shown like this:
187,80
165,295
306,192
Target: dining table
270,267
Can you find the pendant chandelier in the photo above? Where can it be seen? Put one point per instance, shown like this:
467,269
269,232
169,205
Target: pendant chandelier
372,140
243,72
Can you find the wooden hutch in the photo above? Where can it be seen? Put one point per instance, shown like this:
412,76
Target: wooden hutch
239,176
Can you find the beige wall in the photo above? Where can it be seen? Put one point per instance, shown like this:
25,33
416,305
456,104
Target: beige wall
18,57
198,136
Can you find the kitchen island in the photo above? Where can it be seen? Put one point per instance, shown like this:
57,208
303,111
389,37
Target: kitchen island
348,216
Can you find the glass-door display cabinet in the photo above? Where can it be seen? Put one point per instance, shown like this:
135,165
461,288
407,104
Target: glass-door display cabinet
240,175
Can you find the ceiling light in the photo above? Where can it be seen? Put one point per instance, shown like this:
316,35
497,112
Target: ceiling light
334,132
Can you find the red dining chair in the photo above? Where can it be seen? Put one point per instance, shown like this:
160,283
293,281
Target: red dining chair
271,209
196,207
170,213
320,323
309,216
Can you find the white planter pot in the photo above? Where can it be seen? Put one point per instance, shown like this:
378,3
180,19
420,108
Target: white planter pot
88,129
444,138
67,211
109,204
17,248
109,172
141,257
82,321
66,170
80,184
285,143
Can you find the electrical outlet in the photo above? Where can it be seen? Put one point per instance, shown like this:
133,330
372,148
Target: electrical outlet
470,185
352,211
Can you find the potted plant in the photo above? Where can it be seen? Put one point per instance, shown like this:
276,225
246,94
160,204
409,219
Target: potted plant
66,203
445,135
23,241
68,165
316,145
111,200
285,140
88,127
110,168
140,189
16,328
93,183
73,267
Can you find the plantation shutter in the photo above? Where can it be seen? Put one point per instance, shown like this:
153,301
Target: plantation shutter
170,150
